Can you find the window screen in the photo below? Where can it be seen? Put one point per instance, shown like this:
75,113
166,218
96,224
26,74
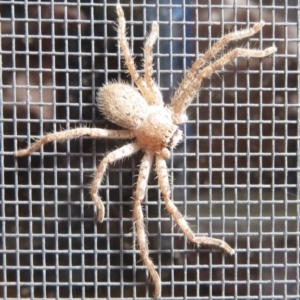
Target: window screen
233,177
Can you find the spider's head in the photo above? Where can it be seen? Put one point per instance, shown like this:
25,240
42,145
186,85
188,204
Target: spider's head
157,132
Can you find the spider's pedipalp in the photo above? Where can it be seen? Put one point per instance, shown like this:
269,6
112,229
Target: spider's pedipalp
163,180
111,157
127,53
148,65
142,240
186,90
96,133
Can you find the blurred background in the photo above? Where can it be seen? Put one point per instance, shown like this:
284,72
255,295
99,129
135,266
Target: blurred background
234,177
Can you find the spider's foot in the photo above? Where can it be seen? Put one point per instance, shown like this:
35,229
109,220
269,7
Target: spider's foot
157,291
270,50
100,215
223,245
20,153
258,26
120,12
100,211
227,248
214,242
99,206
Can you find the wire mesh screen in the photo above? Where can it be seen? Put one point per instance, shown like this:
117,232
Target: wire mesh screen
233,177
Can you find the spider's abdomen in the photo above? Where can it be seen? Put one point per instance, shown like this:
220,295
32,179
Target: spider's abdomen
122,104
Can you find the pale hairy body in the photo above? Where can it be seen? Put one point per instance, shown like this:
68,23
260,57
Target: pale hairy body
152,126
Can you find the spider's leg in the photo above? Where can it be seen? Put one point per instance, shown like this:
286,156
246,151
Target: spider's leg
162,174
76,133
145,169
111,157
148,65
209,54
127,53
189,94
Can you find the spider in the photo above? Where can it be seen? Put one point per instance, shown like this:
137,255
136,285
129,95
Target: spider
153,127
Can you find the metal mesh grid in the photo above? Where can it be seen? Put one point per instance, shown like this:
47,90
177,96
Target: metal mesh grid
235,176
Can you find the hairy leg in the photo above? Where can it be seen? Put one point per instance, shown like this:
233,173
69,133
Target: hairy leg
162,174
142,240
76,133
208,55
189,94
148,65
127,53
111,157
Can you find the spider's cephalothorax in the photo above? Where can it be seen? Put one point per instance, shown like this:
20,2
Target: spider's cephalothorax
152,126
